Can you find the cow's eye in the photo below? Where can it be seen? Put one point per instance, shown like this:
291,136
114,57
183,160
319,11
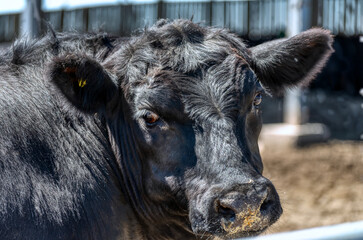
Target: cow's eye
151,118
258,99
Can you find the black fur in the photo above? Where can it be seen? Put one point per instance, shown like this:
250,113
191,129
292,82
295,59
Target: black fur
154,137
83,81
295,61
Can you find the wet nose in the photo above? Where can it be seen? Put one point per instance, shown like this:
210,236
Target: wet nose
246,208
235,203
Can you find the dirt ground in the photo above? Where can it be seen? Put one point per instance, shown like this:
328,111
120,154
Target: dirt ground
318,185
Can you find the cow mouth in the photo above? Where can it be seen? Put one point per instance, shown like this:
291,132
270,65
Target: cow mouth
225,235
223,229
243,234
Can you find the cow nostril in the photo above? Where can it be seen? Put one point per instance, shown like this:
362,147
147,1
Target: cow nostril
266,205
227,213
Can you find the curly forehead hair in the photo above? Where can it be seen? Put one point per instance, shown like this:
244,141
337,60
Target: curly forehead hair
180,45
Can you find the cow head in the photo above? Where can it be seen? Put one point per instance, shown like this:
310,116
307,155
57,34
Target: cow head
183,104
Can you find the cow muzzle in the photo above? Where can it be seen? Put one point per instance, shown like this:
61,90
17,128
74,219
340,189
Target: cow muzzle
245,210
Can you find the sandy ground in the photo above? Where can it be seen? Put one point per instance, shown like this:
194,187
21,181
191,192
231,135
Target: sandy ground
318,185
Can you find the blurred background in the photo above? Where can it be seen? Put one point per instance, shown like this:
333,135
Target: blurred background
312,143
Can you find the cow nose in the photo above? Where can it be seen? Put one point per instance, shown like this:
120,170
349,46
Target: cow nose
244,209
234,203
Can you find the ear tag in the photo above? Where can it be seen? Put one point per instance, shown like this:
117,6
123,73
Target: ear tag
82,82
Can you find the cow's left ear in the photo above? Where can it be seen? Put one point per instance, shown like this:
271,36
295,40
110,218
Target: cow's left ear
281,64
83,81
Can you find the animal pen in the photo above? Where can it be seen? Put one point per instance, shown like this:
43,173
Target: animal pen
346,231
256,21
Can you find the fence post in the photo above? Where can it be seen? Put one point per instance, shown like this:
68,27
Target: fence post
160,9
31,19
292,100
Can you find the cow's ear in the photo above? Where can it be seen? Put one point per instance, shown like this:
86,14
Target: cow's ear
83,81
281,64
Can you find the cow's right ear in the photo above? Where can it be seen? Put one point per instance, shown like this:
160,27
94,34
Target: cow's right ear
287,63
83,81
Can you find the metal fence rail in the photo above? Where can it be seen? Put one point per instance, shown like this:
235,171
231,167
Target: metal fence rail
254,18
251,18
341,16
9,27
346,231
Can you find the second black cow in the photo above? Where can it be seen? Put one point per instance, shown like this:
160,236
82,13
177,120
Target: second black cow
154,137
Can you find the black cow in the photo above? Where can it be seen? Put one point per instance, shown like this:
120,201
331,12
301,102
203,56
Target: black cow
154,137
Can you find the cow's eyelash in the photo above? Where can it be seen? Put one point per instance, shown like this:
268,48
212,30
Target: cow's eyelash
142,112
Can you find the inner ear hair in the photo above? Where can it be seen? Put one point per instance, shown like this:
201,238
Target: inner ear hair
281,64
